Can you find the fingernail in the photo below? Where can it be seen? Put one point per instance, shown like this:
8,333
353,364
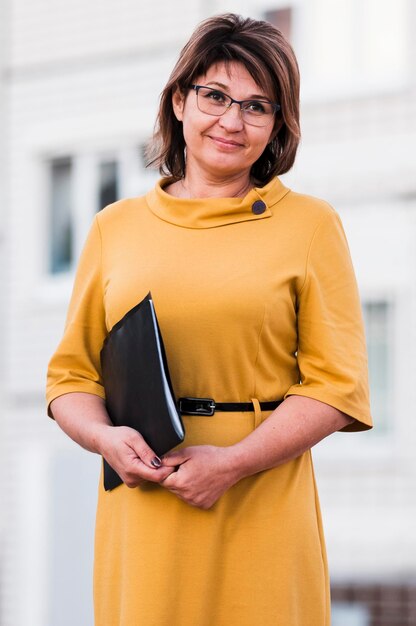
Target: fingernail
156,462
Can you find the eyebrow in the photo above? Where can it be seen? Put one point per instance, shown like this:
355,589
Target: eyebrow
225,88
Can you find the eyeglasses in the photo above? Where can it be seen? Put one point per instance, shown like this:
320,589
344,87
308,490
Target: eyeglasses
214,102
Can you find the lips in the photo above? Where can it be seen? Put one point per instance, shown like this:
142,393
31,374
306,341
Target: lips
226,143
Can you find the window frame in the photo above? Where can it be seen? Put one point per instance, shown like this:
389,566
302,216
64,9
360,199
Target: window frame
378,449
357,82
389,426
133,180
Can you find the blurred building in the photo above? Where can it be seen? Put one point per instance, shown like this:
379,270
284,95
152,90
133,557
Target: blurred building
78,94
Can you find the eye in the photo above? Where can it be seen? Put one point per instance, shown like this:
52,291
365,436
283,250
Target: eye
255,106
216,96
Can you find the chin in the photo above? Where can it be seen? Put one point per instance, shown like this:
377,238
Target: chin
226,172
226,167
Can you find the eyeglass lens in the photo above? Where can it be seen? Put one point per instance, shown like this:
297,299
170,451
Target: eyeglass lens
215,102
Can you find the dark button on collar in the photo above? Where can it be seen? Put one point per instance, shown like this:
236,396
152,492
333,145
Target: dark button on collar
258,207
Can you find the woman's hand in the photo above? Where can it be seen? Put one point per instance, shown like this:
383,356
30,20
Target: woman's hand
84,418
203,474
130,456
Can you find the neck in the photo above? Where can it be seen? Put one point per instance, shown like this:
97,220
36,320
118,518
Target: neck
197,186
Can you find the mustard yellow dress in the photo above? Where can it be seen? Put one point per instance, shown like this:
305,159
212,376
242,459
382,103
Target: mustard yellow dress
257,300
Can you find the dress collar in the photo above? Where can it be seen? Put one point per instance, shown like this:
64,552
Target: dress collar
213,212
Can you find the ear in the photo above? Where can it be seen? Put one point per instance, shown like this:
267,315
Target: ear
178,103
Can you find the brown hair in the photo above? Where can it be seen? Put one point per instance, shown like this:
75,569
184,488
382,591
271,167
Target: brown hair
271,62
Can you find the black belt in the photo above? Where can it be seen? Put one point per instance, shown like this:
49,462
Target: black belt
208,406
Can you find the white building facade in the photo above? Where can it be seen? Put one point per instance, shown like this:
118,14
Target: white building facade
79,90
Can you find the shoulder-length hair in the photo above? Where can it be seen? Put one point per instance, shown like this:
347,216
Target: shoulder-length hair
269,59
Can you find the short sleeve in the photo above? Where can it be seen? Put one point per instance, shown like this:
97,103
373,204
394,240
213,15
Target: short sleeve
75,366
332,356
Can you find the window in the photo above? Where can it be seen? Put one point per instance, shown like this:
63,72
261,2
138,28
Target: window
81,184
60,213
346,614
282,19
147,176
351,47
378,319
108,183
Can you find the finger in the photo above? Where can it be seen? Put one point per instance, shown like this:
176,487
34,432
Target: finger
177,457
139,472
146,454
171,480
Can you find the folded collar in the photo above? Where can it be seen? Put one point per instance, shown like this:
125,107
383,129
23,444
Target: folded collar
214,212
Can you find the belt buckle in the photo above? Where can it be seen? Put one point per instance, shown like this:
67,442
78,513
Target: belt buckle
197,406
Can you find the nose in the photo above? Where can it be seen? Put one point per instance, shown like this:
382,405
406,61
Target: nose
232,119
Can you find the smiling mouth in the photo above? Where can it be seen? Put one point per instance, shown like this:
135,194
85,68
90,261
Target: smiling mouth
226,142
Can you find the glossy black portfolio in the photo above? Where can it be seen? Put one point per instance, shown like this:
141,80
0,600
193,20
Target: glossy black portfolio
137,384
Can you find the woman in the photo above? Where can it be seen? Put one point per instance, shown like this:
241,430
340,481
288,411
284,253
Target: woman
257,302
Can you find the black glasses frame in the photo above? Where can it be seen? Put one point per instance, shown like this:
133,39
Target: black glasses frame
196,88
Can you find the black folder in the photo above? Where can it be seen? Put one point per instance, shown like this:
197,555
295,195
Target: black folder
137,384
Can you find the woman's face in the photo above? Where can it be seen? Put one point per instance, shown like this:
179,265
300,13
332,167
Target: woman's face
223,146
